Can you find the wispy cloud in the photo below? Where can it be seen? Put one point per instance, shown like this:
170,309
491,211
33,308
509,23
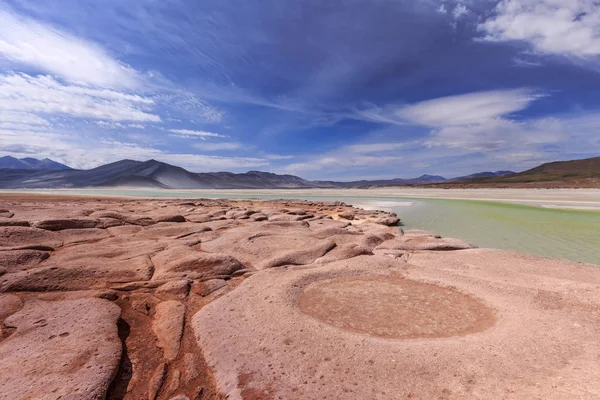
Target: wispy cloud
25,41
196,134
208,146
45,95
470,108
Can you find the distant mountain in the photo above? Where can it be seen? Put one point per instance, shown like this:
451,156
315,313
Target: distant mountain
10,162
483,175
152,174
156,174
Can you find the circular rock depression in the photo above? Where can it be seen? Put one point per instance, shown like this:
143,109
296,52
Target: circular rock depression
394,307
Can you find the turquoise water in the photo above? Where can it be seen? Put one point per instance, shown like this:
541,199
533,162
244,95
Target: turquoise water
556,233
568,234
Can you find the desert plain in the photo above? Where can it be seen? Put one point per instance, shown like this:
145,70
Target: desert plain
175,299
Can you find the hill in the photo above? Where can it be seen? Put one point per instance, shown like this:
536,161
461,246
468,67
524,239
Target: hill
559,174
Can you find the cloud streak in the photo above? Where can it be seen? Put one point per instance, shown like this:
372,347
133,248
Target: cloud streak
25,41
196,134
47,96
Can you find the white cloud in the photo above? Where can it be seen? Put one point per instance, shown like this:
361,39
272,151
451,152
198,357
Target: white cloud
207,146
196,134
45,95
499,134
520,62
550,26
459,11
470,108
25,41
375,147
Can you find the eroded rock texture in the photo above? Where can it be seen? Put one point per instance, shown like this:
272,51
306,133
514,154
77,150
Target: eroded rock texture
117,282
248,299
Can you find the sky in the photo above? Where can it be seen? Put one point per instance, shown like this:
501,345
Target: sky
336,89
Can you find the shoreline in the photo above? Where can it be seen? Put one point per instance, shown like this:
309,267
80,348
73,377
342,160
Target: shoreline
573,199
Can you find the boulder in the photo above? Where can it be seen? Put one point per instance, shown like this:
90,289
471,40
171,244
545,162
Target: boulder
61,224
207,287
64,349
181,261
11,222
168,327
12,237
156,381
170,218
177,289
6,214
79,273
20,260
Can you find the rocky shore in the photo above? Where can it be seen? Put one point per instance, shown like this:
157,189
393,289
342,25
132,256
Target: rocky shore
255,299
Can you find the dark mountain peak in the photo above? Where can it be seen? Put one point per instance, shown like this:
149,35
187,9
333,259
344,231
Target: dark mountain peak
431,178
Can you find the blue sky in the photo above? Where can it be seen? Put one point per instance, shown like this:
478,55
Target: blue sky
337,89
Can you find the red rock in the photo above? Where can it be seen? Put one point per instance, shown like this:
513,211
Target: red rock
64,349
61,224
11,222
168,327
170,218
177,289
9,304
157,380
185,262
19,260
20,236
207,287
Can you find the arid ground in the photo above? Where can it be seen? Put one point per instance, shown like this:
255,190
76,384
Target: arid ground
177,299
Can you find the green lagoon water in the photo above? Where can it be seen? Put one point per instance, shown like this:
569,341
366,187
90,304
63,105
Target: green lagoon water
569,234
556,233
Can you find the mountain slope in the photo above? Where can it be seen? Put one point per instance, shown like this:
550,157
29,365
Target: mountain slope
560,174
10,162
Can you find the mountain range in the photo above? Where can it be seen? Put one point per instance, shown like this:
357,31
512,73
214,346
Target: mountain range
32,173
31,163
156,174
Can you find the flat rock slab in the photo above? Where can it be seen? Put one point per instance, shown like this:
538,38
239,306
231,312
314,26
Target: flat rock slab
64,349
470,324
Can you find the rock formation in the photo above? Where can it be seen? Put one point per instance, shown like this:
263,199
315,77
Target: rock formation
249,299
